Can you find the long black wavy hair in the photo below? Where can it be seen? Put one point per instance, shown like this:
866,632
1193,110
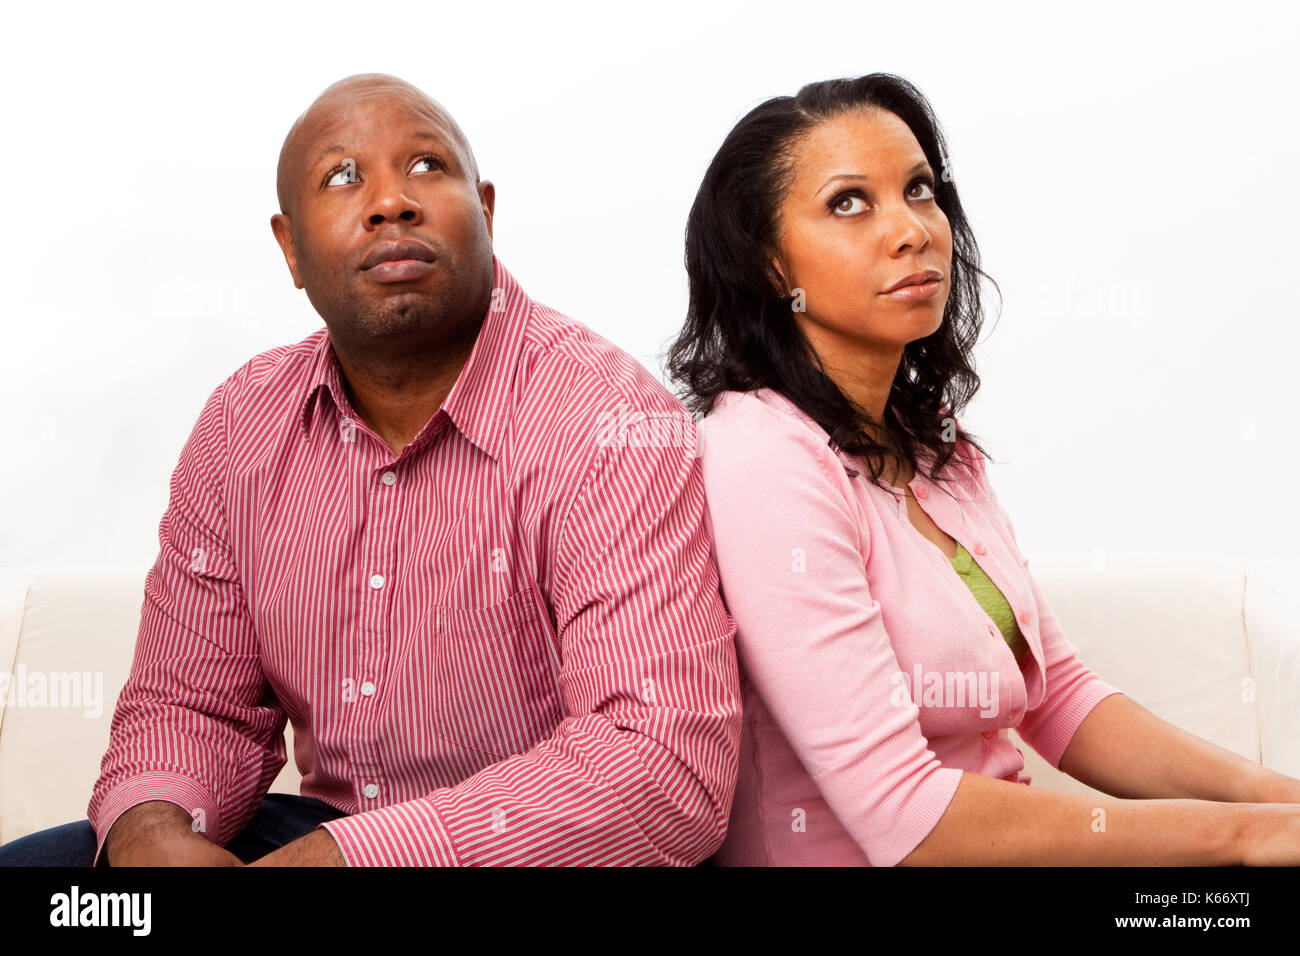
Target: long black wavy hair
740,334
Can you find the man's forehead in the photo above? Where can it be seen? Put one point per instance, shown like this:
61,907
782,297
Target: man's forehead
343,119
347,137
335,118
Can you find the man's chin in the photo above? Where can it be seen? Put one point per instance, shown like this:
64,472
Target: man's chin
405,313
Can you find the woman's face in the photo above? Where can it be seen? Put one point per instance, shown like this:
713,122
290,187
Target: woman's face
860,216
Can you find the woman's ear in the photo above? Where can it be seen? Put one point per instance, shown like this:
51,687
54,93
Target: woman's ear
777,272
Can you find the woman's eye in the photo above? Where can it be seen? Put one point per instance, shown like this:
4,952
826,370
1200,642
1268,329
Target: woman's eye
851,203
927,184
844,204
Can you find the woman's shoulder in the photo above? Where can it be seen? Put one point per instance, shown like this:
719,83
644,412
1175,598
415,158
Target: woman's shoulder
761,421
732,410
764,466
743,428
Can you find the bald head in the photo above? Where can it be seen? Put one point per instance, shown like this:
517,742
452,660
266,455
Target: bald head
350,93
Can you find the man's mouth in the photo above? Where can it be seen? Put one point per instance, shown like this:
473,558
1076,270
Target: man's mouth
399,270
400,260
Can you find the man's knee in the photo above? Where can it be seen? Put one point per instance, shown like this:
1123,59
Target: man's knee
70,844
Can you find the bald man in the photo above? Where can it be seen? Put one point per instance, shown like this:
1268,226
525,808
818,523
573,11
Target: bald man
454,537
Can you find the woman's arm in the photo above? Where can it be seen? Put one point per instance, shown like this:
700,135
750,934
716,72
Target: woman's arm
813,643
992,822
1118,747
810,635
1123,749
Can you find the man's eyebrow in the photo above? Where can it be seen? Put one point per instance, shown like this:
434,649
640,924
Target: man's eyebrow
423,134
336,148
863,176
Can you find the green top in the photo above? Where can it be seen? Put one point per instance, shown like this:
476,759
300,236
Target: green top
991,599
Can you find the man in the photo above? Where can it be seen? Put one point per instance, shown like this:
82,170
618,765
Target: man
455,537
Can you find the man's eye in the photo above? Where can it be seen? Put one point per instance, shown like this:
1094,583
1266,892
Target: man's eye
347,172
341,174
432,160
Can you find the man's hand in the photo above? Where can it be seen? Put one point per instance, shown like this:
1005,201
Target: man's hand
317,848
161,833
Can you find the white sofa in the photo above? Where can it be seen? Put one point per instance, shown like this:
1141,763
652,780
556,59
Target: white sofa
1209,642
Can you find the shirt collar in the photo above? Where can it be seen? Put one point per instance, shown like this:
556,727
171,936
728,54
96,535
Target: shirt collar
479,399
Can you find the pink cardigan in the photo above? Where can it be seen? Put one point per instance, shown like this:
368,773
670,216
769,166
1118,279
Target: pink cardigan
871,676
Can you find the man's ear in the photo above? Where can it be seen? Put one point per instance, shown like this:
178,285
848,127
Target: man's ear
487,197
282,229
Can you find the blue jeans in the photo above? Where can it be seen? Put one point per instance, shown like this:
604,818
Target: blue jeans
281,819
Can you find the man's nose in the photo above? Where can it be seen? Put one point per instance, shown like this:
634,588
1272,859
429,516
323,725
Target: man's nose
390,204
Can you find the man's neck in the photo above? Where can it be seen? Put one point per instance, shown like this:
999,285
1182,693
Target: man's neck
396,395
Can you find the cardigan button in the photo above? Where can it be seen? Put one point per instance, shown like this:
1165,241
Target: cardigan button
1025,617
919,491
979,548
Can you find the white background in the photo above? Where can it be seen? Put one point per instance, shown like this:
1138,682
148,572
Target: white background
1128,169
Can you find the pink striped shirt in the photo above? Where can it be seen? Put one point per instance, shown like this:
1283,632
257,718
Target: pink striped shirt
504,645
871,676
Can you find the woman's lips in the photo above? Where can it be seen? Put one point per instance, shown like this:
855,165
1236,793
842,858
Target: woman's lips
914,293
399,270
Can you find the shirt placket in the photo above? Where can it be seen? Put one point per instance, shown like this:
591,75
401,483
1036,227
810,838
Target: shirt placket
380,486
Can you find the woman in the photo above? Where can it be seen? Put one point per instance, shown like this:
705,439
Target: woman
888,629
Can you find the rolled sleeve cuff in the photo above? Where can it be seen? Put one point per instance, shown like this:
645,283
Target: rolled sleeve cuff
405,834
923,812
1052,737
186,792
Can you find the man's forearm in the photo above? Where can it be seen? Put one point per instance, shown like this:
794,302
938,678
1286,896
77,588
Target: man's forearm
146,823
583,797
1123,749
161,833
317,848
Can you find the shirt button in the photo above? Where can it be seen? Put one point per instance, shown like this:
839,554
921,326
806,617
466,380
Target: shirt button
389,478
371,790
1025,617
367,688
979,548
376,581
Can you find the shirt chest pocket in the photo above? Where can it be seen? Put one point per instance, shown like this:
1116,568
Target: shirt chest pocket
494,675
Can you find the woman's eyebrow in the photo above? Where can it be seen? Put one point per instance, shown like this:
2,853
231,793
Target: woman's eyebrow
863,176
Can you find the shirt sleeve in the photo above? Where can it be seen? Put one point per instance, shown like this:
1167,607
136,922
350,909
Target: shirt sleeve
1071,688
642,769
196,723
810,635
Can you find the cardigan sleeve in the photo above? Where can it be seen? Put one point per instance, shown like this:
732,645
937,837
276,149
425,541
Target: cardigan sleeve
1071,688
810,636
